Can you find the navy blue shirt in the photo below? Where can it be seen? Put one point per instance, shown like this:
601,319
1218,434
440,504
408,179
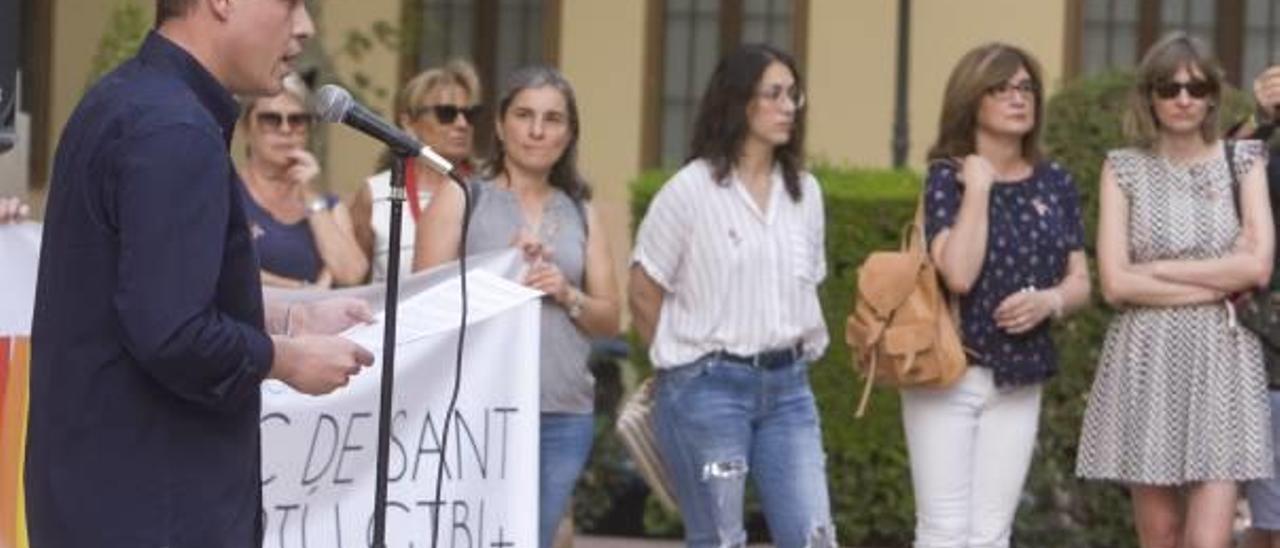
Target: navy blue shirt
1033,226
148,346
285,249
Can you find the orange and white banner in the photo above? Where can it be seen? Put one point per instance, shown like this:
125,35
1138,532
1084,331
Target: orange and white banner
19,251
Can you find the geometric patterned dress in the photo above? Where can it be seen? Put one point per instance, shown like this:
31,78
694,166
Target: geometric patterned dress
1180,394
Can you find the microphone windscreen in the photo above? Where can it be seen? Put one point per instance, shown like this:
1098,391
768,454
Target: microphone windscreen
331,103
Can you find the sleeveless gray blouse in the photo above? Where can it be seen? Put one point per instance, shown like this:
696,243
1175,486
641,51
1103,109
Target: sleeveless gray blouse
496,220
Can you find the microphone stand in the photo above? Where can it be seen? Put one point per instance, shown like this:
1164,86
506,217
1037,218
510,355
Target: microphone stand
389,348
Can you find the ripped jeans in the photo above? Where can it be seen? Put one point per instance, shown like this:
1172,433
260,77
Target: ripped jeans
718,422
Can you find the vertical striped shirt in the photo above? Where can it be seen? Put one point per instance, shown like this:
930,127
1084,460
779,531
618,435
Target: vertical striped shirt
735,278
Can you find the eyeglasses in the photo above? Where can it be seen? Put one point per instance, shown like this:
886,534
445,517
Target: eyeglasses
776,92
1005,90
446,114
279,121
1197,89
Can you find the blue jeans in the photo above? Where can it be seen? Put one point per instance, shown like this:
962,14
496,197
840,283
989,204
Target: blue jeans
564,444
718,422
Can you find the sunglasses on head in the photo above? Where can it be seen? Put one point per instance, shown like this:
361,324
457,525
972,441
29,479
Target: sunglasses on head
1197,89
276,120
446,114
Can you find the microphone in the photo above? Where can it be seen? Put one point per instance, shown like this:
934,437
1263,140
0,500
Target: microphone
334,104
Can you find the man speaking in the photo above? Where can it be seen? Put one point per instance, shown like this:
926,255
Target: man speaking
149,338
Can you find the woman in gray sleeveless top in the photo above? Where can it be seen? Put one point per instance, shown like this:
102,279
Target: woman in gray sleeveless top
533,198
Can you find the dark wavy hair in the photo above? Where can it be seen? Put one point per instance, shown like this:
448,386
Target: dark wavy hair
721,127
564,174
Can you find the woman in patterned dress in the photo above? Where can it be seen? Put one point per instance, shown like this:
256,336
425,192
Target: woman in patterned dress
1178,410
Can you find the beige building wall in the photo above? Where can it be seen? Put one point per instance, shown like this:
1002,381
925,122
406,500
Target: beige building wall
602,53
942,30
350,155
850,71
850,74
78,26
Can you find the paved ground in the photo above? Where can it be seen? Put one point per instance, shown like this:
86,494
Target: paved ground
584,541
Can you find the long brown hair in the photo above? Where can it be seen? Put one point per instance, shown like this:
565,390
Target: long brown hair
721,127
973,77
1175,51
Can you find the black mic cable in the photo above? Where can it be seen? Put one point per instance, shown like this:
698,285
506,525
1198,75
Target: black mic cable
457,372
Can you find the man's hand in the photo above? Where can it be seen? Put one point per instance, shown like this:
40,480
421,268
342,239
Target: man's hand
12,210
317,365
328,317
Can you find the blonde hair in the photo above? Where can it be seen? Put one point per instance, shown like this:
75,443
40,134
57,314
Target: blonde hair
1175,51
456,72
294,86
973,77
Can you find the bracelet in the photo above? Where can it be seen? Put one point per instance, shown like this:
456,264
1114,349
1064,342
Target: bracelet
317,205
1056,304
575,303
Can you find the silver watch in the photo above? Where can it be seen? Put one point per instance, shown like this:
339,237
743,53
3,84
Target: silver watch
317,205
575,303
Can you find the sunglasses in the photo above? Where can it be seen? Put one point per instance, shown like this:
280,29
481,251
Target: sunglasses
277,121
1197,89
446,114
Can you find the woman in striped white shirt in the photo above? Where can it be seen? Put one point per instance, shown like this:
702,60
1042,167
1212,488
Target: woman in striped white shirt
723,287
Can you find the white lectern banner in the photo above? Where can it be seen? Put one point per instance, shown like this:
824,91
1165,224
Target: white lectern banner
319,452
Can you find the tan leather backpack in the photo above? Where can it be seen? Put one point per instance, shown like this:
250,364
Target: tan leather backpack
901,329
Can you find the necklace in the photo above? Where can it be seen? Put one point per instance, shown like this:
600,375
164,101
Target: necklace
536,221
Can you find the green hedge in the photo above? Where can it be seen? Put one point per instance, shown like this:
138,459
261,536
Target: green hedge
868,472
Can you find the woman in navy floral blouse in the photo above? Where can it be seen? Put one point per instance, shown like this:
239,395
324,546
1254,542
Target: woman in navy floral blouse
1004,229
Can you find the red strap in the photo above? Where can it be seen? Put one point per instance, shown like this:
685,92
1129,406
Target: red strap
411,187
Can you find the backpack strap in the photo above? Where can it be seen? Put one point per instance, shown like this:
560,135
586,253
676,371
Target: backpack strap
1228,149
867,383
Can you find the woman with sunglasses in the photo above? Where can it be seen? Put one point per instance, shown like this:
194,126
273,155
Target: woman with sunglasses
439,107
1004,229
1178,411
532,197
303,237
724,288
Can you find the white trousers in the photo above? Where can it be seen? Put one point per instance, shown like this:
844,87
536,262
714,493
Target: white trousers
970,447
